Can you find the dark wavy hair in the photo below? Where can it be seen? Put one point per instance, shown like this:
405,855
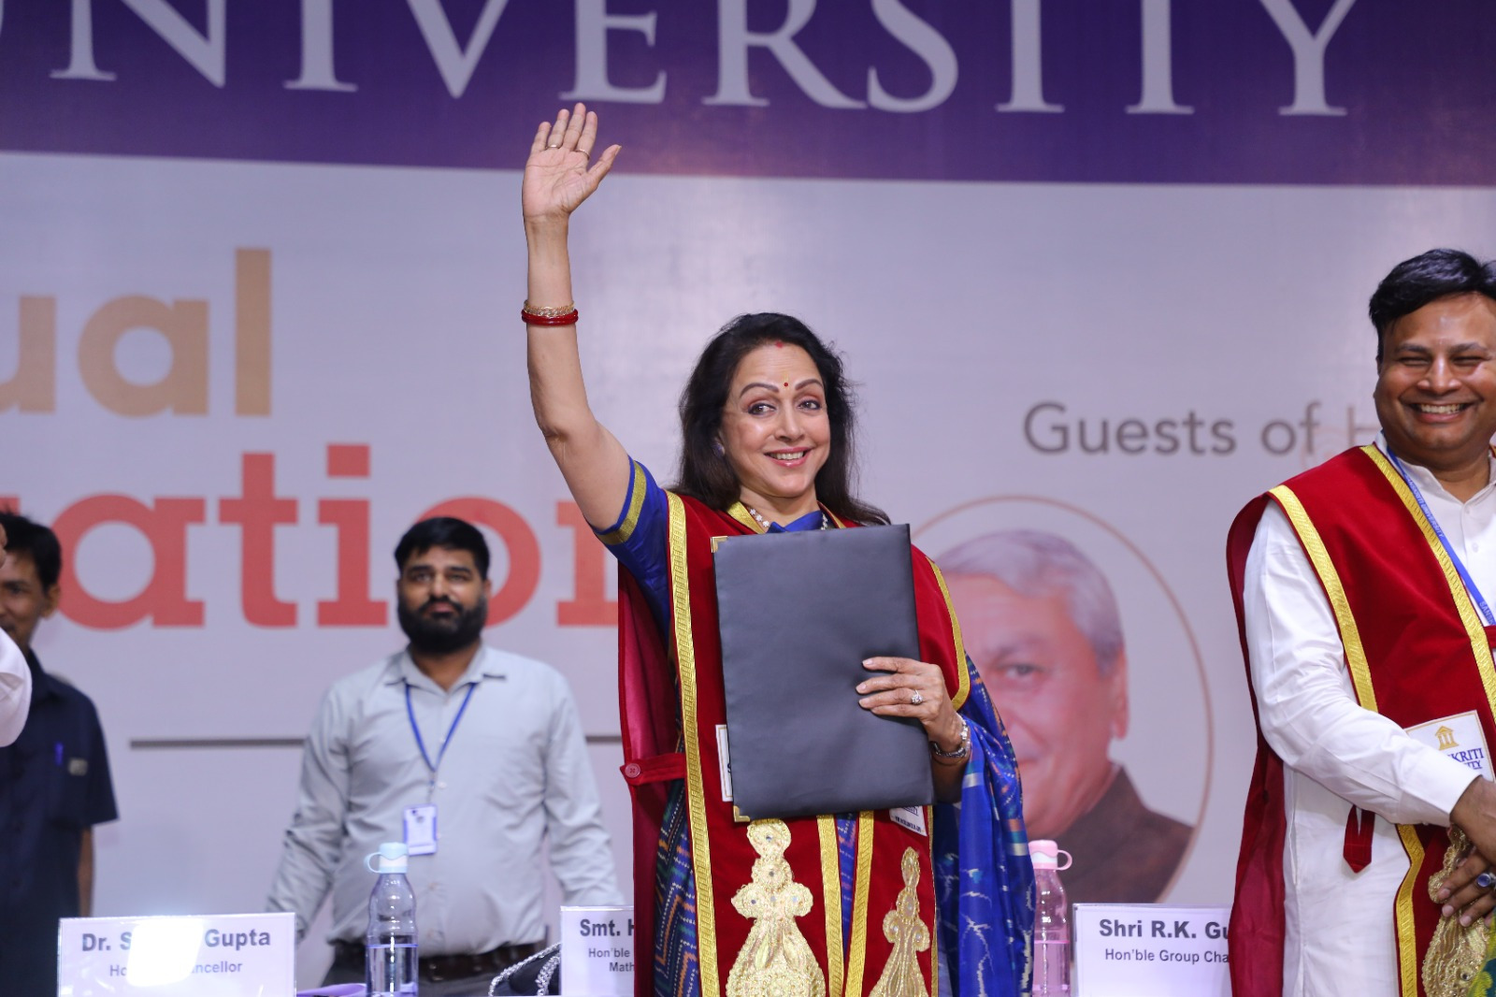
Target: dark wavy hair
1425,278
36,539
706,475
447,532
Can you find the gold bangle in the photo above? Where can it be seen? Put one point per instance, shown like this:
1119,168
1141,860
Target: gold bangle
548,312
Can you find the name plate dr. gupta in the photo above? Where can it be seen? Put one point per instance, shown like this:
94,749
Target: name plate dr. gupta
224,955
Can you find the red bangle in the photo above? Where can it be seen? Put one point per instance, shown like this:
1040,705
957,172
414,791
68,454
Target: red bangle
548,316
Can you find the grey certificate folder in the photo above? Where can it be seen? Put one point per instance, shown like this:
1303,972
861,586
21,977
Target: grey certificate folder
798,613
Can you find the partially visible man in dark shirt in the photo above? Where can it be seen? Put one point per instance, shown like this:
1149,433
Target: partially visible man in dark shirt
54,780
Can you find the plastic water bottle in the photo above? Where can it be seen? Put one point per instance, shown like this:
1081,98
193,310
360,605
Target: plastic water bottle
1051,922
390,956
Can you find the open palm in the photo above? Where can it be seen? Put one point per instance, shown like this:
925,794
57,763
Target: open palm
558,177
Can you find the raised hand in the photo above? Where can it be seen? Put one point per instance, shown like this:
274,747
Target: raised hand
560,174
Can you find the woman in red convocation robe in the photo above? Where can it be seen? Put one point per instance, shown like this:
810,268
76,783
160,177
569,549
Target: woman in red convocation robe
902,903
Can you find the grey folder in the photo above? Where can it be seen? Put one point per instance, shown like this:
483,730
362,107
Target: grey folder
798,613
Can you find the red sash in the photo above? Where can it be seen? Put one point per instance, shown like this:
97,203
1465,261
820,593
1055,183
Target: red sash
723,857
1416,650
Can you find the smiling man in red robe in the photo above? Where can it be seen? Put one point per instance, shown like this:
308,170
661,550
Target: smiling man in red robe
1358,585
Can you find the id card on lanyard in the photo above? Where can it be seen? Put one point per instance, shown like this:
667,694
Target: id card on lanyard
1459,566
420,821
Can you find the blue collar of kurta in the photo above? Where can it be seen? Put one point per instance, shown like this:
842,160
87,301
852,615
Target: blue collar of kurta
809,521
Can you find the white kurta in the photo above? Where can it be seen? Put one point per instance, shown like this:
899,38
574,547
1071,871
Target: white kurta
1340,936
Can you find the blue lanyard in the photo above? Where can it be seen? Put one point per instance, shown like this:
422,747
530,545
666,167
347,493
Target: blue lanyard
1470,586
411,713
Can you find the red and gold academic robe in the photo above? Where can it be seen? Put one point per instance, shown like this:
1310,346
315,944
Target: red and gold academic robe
672,703
1416,650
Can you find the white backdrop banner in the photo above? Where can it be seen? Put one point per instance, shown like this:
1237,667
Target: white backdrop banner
259,276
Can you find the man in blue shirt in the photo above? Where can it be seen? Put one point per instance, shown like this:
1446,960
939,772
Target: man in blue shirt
54,780
488,739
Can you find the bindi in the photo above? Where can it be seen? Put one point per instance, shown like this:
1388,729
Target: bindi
779,344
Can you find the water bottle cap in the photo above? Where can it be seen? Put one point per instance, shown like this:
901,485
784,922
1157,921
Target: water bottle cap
391,856
1045,855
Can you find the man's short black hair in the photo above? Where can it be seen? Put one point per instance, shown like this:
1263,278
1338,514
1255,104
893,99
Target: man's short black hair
25,536
1428,277
443,531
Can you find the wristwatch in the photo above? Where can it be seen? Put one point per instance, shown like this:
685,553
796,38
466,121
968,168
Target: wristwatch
962,750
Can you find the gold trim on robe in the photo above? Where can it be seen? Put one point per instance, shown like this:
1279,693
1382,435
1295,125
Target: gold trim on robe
1350,636
963,681
631,517
831,890
680,589
856,964
739,511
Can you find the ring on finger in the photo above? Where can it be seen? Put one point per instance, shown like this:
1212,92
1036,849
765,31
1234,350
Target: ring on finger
1485,880
915,699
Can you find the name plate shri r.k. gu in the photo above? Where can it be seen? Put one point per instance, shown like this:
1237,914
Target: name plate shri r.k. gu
1151,950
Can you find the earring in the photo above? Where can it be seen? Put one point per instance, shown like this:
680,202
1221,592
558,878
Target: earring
717,448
